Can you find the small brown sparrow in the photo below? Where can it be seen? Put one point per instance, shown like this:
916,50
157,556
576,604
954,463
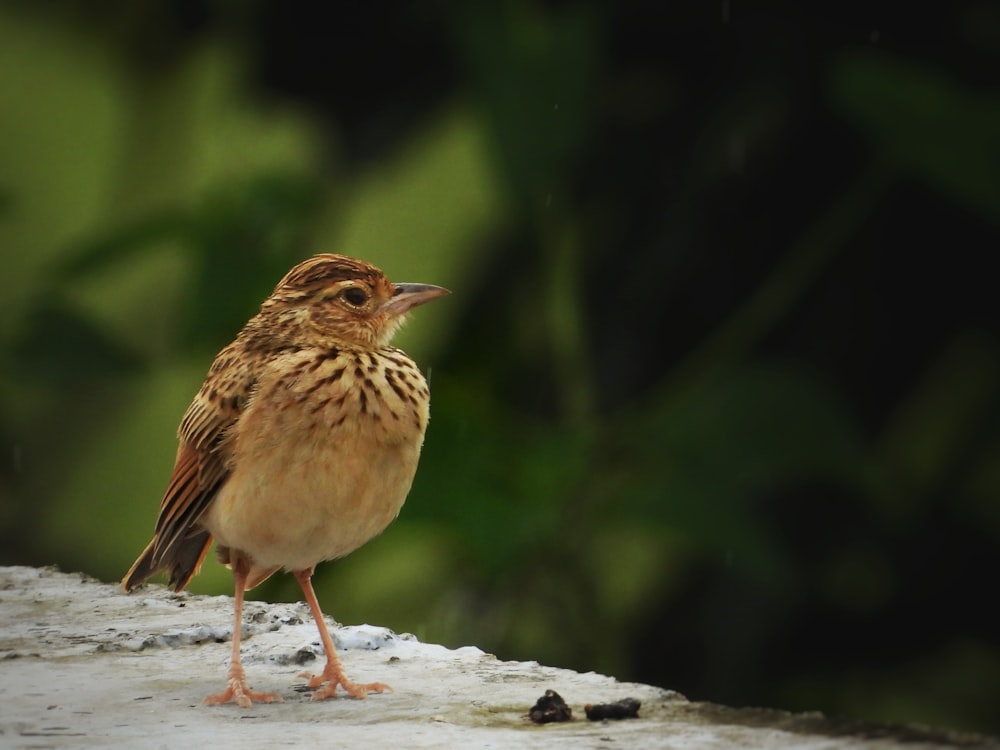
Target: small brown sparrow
300,446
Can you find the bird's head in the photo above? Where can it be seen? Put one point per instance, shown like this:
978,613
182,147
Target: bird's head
345,300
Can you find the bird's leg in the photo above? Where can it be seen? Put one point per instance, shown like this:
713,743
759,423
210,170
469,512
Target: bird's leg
333,674
237,691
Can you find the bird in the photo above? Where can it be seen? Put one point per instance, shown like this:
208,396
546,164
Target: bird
300,446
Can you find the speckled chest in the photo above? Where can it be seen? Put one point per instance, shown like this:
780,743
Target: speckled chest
379,394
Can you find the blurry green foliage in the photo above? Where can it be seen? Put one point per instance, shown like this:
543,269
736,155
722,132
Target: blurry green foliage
534,74
721,444
949,130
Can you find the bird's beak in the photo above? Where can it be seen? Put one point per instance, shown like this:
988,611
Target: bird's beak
411,295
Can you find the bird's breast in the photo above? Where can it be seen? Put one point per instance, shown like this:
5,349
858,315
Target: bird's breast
322,456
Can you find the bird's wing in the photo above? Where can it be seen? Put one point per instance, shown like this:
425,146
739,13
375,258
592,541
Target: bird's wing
201,467
202,458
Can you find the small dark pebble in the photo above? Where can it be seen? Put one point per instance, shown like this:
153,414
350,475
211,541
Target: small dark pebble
626,708
550,707
303,656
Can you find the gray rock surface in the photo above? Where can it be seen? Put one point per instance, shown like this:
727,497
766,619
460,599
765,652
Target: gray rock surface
84,665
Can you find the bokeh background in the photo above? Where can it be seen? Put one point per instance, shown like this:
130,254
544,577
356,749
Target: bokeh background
716,397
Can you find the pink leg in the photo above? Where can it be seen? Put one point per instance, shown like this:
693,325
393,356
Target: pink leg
333,674
237,690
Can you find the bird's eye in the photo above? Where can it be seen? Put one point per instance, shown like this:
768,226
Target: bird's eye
355,296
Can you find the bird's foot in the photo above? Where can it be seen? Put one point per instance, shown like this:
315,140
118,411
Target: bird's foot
332,676
237,691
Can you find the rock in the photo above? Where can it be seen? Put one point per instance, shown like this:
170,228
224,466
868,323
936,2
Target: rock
84,665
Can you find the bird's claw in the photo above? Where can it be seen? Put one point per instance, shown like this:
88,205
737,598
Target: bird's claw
238,692
326,684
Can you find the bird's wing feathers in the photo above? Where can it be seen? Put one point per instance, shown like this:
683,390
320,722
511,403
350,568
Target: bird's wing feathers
201,467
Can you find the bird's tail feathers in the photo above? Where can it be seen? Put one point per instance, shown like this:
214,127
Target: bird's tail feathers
182,560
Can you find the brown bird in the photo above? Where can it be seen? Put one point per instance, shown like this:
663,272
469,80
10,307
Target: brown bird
300,446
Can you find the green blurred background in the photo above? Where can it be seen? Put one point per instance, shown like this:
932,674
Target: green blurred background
715,400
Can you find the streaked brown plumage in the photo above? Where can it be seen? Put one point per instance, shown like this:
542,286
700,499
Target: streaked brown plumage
300,446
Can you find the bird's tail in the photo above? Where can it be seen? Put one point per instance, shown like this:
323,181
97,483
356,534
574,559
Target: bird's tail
182,560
